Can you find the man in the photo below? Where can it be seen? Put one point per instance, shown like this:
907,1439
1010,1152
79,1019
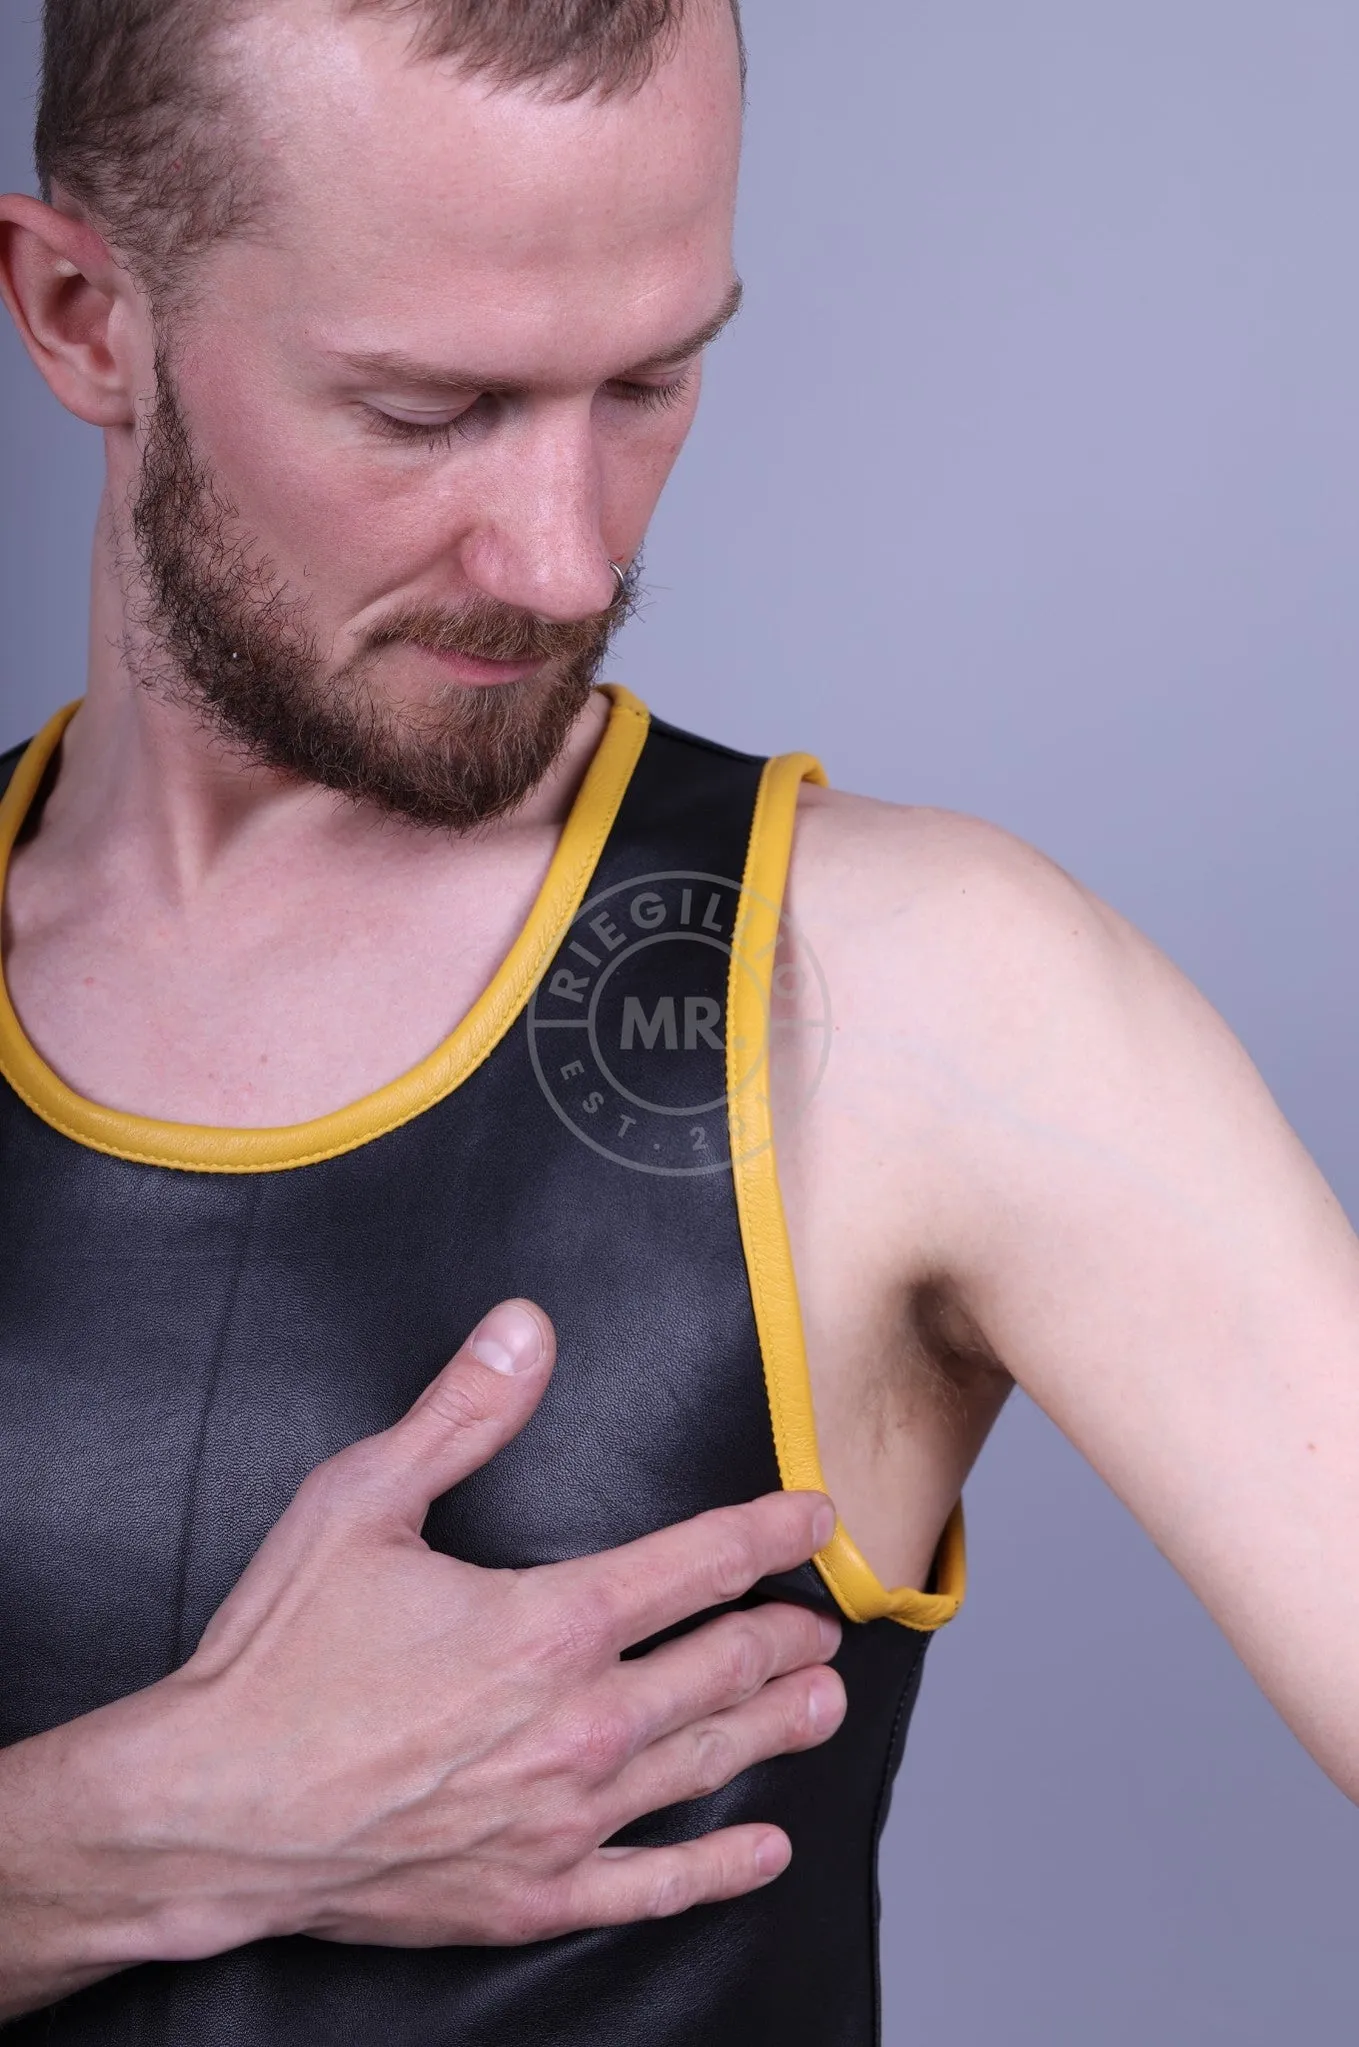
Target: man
391,317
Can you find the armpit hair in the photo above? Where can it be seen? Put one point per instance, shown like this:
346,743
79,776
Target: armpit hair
949,1346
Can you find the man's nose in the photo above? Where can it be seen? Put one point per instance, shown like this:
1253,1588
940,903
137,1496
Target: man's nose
538,543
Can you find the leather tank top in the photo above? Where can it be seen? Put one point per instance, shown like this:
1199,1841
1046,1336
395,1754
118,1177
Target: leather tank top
190,1320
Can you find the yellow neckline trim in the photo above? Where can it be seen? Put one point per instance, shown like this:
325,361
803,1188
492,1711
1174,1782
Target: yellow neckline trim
205,1149
857,1589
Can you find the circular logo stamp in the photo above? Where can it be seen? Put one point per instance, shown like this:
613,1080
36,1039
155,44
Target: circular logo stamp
651,1032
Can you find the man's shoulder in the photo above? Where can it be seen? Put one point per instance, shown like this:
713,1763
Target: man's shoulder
905,881
948,945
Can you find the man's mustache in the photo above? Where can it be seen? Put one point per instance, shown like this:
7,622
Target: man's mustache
490,631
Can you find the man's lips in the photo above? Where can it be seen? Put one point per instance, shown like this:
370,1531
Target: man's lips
475,671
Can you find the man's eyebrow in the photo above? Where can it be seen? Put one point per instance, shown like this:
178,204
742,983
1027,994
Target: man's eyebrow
695,343
406,369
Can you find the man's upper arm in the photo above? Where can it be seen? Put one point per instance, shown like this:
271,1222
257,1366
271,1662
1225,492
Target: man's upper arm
1138,1234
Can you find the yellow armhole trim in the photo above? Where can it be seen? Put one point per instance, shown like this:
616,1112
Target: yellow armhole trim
205,1149
858,1591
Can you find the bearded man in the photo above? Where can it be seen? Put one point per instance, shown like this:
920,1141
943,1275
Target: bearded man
371,973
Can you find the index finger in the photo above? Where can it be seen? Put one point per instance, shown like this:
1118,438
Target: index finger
653,1584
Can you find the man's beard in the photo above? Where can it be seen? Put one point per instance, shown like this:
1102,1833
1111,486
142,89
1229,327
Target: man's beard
223,637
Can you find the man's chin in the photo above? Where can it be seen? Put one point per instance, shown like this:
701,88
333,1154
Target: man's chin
449,760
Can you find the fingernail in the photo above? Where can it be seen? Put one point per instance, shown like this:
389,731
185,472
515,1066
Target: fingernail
508,1340
830,1636
823,1527
773,1855
824,1705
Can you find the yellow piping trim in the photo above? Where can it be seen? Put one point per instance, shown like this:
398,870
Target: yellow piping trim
199,1148
857,1589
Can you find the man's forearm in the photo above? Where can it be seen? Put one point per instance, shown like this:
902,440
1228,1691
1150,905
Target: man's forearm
79,1892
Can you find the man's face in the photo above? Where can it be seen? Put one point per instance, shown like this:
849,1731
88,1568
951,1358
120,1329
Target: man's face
403,430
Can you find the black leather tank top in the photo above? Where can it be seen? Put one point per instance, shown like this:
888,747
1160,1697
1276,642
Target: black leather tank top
190,1320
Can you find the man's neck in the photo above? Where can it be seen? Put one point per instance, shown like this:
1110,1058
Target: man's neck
144,772
193,939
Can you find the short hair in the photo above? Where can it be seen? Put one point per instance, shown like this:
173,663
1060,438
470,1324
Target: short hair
138,124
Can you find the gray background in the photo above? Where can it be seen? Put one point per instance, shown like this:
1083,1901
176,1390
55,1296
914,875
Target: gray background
1025,485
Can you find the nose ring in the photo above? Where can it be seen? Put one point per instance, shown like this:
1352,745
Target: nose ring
621,578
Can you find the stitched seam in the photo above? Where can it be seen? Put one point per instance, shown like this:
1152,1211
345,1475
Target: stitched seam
209,1398
894,1754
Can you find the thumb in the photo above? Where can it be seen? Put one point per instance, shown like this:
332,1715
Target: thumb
480,1400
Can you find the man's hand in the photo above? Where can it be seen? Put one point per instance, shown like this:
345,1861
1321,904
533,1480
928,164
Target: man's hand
374,1742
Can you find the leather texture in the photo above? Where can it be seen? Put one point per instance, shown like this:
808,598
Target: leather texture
179,1348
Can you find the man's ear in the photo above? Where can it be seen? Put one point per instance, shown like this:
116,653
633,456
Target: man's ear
65,292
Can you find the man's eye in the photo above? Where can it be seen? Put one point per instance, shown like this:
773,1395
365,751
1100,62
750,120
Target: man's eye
655,397
439,432
431,433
